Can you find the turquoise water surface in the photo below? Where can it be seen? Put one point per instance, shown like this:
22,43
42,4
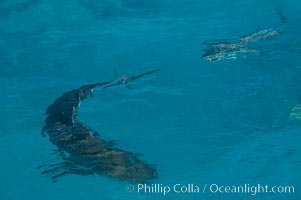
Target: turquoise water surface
198,122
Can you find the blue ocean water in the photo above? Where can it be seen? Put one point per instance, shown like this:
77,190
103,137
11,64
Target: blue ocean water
199,122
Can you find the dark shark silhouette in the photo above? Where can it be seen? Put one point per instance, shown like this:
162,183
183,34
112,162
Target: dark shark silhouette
81,150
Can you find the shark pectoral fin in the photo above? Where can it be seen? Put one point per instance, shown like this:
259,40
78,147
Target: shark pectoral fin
56,168
54,172
47,166
60,169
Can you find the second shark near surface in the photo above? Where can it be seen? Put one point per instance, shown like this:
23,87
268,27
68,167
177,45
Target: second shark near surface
216,50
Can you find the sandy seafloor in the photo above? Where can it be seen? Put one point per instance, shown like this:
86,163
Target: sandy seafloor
224,122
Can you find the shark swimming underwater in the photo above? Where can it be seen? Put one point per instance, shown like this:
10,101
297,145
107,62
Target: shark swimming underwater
80,148
216,50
